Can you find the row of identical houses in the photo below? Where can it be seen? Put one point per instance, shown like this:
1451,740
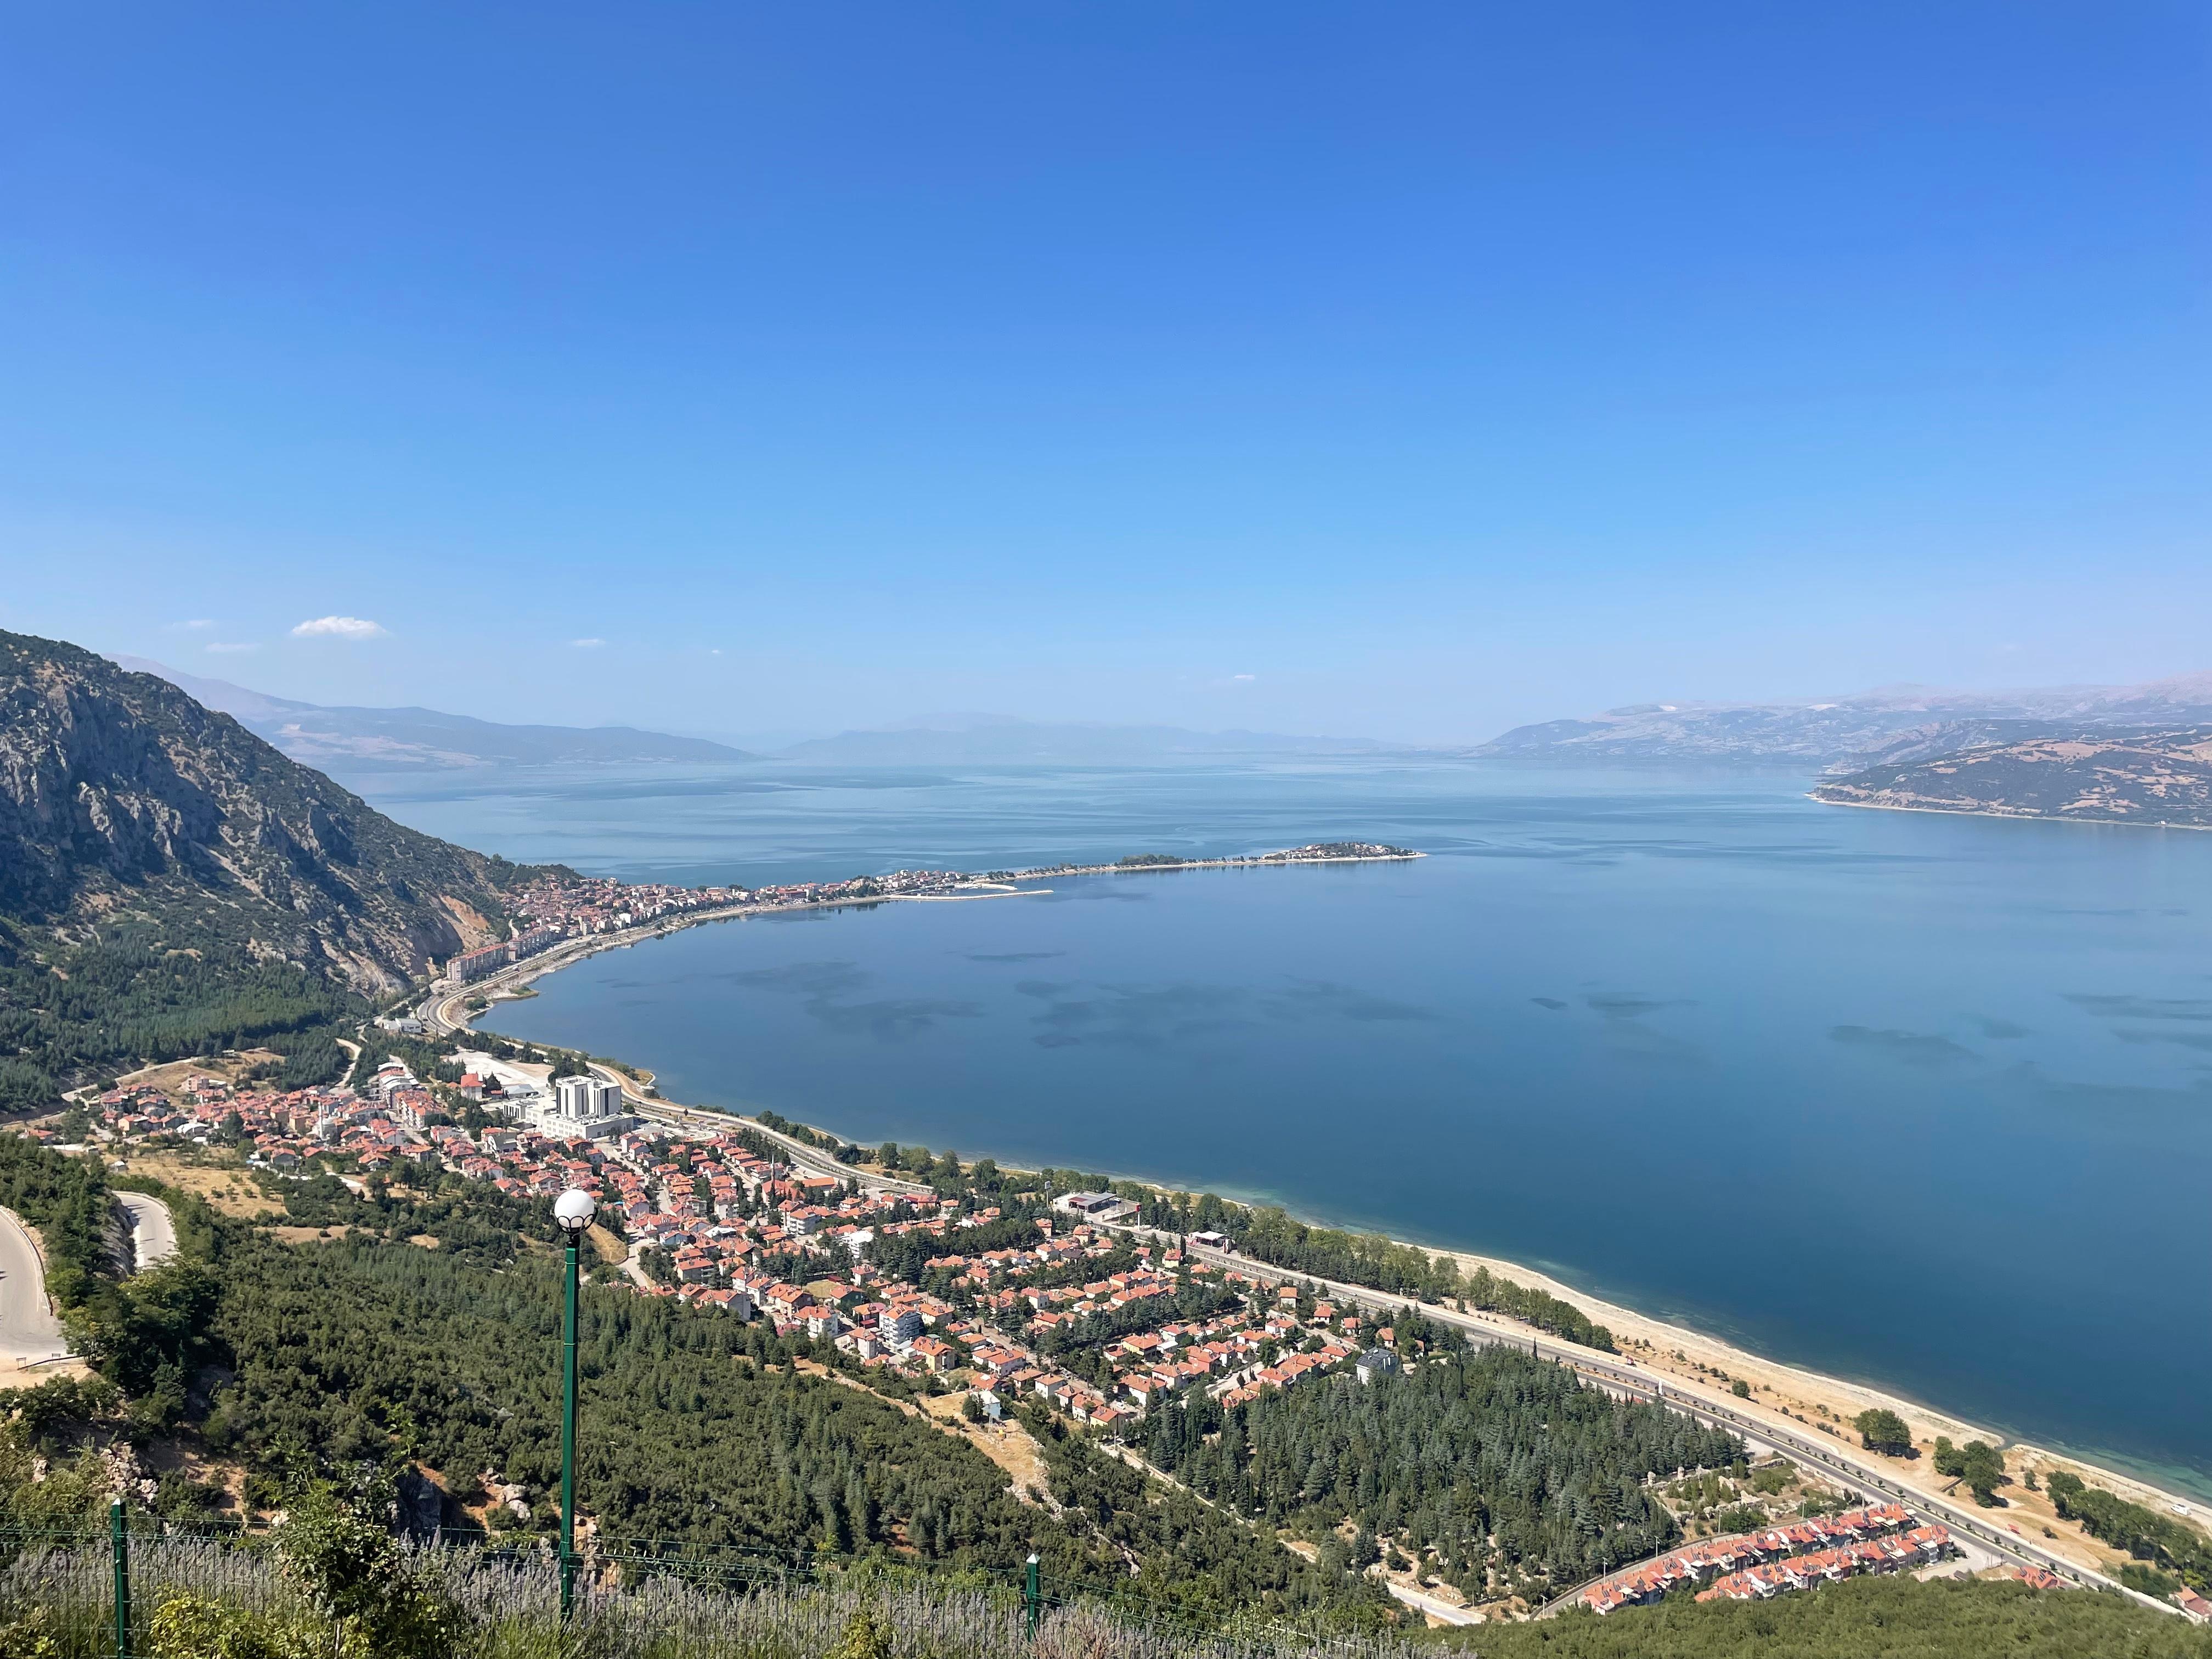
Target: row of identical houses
1820,1540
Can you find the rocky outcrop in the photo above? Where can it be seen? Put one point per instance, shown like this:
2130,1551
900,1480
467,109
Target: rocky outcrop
126,808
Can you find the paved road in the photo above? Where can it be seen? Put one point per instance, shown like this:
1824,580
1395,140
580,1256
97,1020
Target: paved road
1836,1460
1420,1602
809,1160
152,1233
29,1329
438,1012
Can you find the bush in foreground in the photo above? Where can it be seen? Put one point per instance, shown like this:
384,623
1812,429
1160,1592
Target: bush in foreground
196,1600
200,1601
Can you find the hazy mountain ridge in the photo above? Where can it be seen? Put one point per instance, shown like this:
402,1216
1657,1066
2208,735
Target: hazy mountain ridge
128,810
992,739
1892,724
413,739
2160,775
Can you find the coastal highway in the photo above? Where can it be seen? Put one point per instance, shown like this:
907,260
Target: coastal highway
809,1160
152,1233
29,1332
1836,1460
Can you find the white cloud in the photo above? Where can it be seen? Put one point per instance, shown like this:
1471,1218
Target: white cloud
1243,677
588,645
343,627
228,647
195,625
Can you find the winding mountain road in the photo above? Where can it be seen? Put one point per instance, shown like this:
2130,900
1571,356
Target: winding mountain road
153,1231
29,1332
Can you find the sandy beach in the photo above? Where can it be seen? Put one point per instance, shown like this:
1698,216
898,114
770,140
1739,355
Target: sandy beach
1781,1392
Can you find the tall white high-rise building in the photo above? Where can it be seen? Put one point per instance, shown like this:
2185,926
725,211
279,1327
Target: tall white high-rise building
586,1099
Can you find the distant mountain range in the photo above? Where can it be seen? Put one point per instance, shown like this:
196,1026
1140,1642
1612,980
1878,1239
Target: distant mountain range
999,739
1893,726
2092,774
415,739
365,740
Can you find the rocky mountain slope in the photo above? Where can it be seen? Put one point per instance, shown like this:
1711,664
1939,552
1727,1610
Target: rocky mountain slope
1895,725
354,740
129,813
2161,774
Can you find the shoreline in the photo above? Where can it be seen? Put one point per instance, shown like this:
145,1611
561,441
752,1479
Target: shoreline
1268,860
1650,1338
1820,800
435,1004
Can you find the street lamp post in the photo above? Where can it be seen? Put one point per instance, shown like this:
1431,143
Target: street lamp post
573,1211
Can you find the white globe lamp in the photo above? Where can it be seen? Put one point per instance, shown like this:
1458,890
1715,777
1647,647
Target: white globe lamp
574,1210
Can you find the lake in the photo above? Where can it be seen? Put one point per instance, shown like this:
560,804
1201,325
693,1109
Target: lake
1918,1100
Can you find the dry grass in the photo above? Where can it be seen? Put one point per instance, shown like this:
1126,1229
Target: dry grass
1008,1444
221,1181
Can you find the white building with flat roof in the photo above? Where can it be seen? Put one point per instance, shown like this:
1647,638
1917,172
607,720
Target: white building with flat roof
587,1105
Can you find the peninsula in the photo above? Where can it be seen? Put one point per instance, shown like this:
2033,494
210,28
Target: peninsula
2160,776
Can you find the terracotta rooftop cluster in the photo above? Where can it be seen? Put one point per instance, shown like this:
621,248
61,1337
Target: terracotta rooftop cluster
1777,1554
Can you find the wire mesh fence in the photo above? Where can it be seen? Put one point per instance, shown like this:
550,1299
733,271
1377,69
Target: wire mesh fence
634,1599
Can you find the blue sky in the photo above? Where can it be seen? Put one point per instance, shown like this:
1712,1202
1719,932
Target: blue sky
1406,371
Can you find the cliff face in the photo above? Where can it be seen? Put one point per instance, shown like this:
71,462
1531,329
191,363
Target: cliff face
2152,776
128,810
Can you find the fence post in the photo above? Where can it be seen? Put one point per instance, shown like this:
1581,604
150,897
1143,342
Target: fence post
1030,1598
120,1534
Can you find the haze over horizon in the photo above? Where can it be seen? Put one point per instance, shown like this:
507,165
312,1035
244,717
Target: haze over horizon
233,697
745,374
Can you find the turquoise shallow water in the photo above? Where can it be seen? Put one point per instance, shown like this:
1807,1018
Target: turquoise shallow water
1925,1101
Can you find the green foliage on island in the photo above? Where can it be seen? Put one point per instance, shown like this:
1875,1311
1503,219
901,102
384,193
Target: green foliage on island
1492,1460
1871,1618
1144,860
2144,1534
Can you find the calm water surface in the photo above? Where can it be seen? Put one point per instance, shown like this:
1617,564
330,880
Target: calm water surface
1925,1101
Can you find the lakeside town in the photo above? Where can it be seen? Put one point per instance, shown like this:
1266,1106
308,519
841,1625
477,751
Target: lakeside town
936,1294
552,910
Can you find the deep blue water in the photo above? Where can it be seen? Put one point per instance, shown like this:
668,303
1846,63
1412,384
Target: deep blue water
1925,1101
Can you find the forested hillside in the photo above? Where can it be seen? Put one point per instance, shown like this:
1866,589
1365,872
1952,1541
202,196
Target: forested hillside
424,1342
170,884
1496,1466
